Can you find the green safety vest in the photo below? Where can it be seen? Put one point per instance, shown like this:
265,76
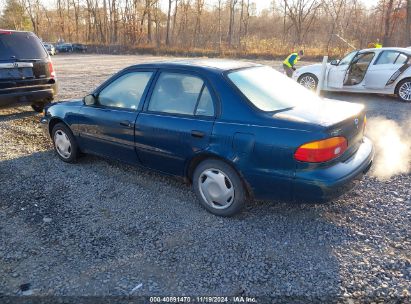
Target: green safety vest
378,45
291,60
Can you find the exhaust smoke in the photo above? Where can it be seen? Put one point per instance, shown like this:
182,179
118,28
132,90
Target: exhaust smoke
392,143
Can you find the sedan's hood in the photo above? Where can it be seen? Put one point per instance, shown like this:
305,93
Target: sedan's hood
325,112
71,102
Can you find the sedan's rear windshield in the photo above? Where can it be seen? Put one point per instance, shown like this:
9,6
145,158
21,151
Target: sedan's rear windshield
20,45
270,90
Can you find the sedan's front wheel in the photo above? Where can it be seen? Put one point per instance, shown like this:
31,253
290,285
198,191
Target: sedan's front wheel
403,90
64,142
308,81
219,188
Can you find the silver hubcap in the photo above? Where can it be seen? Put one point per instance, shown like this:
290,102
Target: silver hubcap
62,144
216,188
308,82
405,91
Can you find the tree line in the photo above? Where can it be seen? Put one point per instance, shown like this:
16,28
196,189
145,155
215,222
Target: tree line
218,26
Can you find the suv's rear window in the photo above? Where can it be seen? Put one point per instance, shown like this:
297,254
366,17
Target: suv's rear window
20,45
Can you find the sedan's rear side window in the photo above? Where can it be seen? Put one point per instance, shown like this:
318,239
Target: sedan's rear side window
388,57
126,91
21,45
177,93
401,59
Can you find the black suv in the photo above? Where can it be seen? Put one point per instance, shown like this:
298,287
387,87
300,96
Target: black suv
26,71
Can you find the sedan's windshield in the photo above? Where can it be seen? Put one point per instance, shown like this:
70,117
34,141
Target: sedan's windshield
270,90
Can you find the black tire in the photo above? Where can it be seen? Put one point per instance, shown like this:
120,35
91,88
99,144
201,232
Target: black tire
300,80
231,178
60,129
397,89
38,107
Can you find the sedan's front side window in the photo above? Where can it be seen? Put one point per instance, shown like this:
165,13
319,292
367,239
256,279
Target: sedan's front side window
126,91
347,59
177,93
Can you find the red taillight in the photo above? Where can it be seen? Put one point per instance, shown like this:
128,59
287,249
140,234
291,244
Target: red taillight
321,150
5,32
51,70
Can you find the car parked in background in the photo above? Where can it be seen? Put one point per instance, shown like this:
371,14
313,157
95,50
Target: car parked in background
234,130
78,47
26,70
381,70
50,48
65,48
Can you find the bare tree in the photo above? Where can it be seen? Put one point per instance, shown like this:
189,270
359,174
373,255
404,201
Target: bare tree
232,4
302,14
387,22
170,3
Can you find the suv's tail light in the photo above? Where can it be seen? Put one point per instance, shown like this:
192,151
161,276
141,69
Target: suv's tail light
321,150
51,70
5,32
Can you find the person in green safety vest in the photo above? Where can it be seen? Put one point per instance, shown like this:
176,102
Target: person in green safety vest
378,45
290,61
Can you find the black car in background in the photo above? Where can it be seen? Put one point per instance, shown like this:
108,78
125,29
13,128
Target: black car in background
78,47
65,48
26,70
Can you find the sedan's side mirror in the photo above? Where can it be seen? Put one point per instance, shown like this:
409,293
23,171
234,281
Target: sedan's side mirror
335,62
90,100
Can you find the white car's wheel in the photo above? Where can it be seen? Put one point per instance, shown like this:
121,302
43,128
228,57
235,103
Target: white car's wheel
403,90
309,81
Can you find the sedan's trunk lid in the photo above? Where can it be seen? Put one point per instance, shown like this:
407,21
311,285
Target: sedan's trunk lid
336,118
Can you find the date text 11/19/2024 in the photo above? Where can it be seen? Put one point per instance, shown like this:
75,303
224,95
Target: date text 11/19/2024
203,299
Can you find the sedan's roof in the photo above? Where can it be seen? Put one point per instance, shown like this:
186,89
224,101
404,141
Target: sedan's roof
398,49
205,64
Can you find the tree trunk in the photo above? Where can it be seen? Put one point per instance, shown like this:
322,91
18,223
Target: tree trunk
386,41
168,23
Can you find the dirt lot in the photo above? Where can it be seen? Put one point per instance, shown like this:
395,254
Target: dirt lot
102,228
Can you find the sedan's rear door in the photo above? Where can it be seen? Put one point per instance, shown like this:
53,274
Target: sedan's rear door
176,123
385,66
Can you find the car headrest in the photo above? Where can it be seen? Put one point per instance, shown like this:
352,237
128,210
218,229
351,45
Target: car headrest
172,86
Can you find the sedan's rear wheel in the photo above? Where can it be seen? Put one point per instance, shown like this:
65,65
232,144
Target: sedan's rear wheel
308,81
219,188
64,142
403,90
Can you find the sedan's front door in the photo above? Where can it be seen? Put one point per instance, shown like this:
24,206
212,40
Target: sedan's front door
336,73
107,127
387,64
177,122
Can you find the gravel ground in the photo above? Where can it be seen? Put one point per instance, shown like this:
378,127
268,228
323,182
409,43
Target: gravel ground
101,228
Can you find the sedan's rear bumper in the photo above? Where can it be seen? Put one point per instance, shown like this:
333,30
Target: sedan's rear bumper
328,183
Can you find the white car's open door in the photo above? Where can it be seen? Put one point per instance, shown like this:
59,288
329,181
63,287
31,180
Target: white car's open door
336,73
336,76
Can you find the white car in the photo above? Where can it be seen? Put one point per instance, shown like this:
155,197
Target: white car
382,71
